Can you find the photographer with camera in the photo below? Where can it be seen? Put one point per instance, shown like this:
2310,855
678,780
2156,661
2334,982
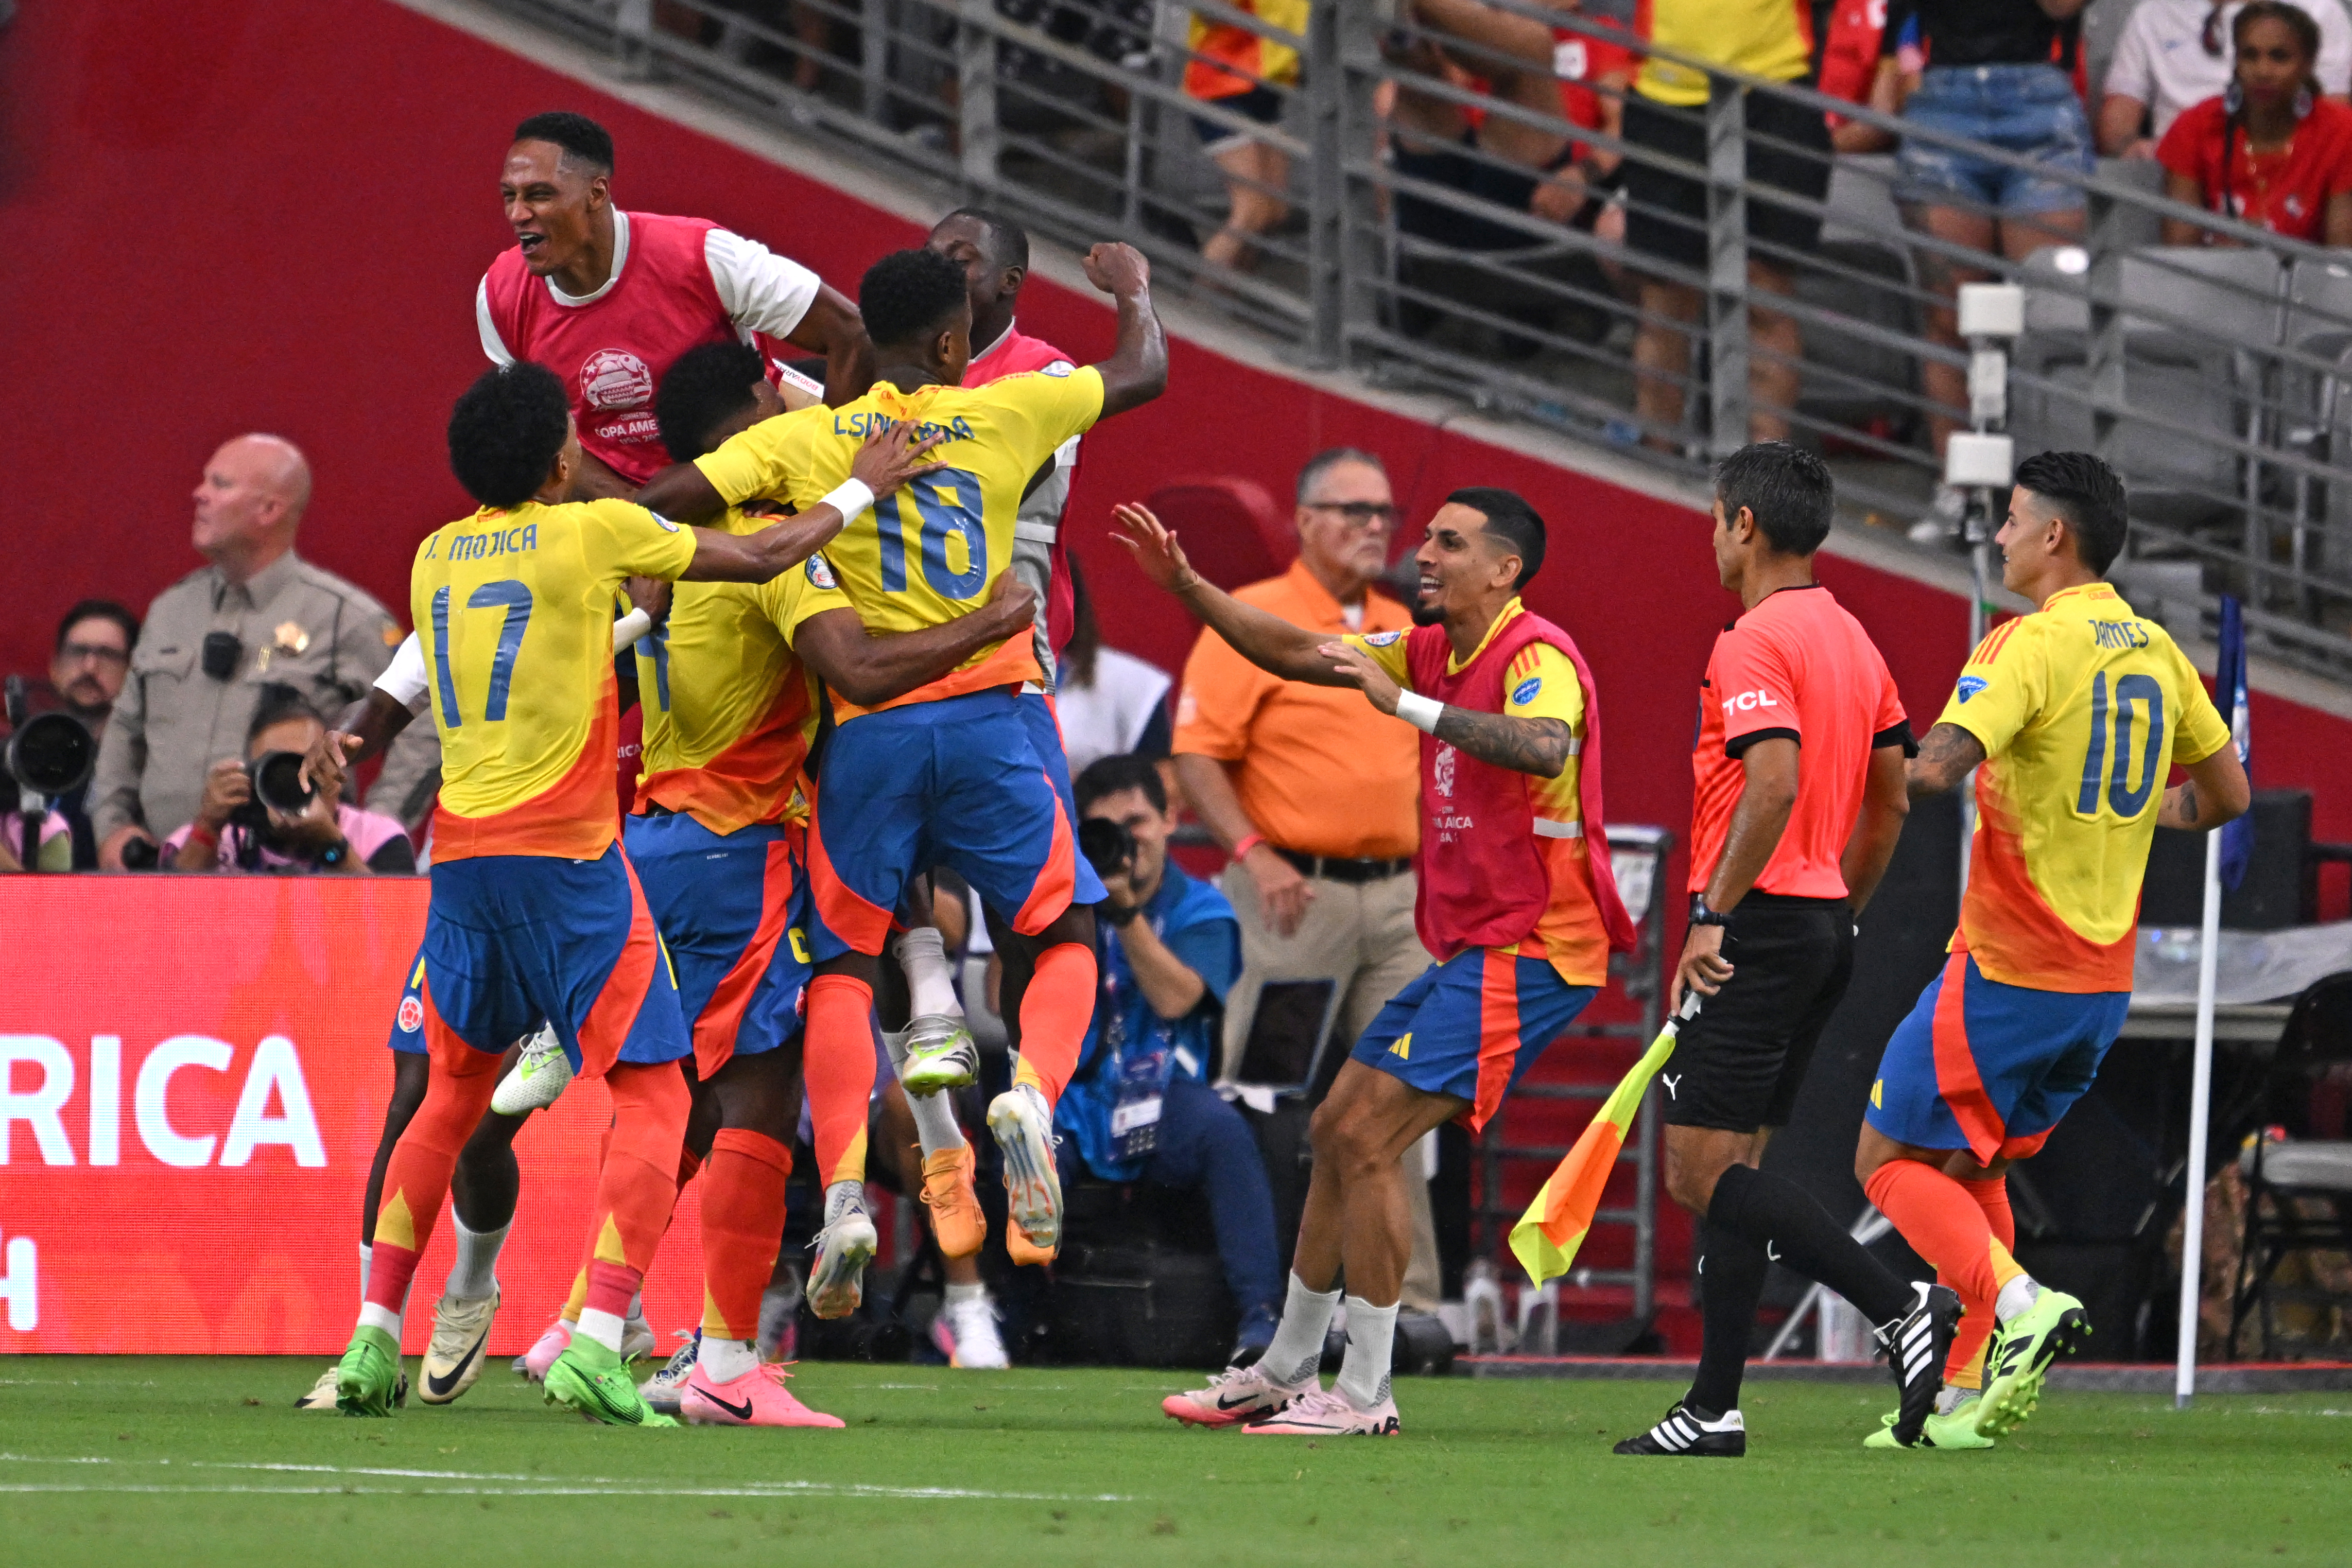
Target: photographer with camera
1138,1107
257,814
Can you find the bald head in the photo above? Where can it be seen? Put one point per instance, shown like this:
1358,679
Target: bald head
250,502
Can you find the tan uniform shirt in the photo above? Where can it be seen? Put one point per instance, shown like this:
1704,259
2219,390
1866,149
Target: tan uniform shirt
295,625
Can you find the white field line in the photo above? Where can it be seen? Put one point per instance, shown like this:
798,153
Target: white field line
533,1486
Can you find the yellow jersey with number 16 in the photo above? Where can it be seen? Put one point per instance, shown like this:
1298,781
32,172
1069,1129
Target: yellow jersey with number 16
933,550
515,613
2082,708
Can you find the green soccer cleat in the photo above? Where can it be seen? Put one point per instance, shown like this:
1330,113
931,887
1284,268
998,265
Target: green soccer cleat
1955,1430
368,1379
2021,1352
595,1382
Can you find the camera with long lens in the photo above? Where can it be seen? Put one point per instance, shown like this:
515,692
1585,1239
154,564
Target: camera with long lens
277,780
49,754
1110,846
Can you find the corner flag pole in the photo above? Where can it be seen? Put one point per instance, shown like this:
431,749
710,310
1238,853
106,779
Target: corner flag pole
2200,1109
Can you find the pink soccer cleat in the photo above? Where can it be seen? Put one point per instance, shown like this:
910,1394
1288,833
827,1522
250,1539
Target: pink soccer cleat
758,1398
1236,1395
1327,1413
541,1354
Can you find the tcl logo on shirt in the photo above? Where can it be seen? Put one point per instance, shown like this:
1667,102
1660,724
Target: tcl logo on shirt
1749,702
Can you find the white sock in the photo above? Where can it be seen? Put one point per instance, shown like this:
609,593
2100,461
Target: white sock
841,1197
1372,1340
959,1295
367,1256
373,1316
601,1327
923,955
1950,1399
2016,1297
935,1122
474,1274
1297,1348
725,1360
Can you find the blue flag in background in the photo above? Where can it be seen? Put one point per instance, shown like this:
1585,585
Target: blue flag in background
2230,696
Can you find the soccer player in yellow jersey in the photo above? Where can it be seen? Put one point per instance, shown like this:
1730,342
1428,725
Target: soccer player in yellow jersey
946,775
2073,716
535,912
729,684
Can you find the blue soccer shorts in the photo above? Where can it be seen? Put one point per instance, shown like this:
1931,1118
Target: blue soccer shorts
513,941
1988,1067
956,783
1471,1026
732,911
409,1018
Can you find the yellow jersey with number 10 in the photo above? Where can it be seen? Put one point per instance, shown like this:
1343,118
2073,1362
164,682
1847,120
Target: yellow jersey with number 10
2082,708
932,552
515,613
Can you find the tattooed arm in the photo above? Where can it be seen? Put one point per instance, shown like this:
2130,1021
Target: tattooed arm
1536,745
1945,759
2216,792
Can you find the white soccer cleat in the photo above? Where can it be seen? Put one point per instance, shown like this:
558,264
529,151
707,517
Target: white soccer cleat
461,1331
940,1054
538,1080
638,1337
966,1334
1327,1413
837,1280
1236,1395
661,1390
322,1398
1024,1130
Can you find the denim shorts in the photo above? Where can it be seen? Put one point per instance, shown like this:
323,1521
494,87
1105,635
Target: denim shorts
2028,110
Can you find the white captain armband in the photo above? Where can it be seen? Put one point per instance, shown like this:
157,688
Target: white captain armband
1419,711
629,628
849,499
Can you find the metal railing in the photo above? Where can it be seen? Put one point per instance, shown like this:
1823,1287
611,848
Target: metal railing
2212,379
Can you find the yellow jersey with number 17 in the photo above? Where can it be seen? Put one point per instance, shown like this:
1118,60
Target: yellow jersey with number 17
2082,708
515,613
933,550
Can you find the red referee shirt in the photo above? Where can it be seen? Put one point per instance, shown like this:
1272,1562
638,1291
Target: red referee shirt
1796,666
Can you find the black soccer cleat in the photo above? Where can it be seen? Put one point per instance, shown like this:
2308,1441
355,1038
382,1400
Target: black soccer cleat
1683,1436
1916,1345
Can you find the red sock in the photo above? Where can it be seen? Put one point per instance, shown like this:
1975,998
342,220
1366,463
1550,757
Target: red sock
416,1179
1054,1012
1940,1218
638,1186
1992,1196
837,1068
743,1223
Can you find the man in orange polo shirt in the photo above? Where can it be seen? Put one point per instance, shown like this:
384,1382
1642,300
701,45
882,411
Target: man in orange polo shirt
1312,795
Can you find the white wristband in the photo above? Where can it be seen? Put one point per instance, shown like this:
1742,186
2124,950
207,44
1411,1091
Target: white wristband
629,628
849,499
1419,711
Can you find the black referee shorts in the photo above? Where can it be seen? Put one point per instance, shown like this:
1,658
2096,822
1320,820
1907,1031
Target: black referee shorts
1665,211
1737,1066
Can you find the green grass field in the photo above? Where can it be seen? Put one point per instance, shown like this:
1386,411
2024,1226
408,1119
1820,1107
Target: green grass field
157,1462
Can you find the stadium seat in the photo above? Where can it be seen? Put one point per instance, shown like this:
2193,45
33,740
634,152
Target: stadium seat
1232,527
2135,226
2299,1193
2192,342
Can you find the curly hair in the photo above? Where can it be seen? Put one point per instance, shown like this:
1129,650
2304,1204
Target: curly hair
907,295
505,432
706,385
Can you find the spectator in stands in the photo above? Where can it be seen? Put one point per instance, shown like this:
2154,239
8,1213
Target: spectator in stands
1998,72
2271,151
1139,1108
1788,149
87,664
258,613
1315,798
1239,71
234,830
2176,53
1857,68
1108,702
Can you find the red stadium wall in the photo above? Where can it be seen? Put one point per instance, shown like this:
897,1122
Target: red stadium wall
271,214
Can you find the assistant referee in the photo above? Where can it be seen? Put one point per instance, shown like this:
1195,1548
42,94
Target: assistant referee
1800,797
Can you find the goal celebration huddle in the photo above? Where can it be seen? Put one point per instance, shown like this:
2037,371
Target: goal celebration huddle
846,595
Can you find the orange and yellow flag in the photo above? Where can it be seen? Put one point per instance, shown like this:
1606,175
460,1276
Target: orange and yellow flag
1547,1235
